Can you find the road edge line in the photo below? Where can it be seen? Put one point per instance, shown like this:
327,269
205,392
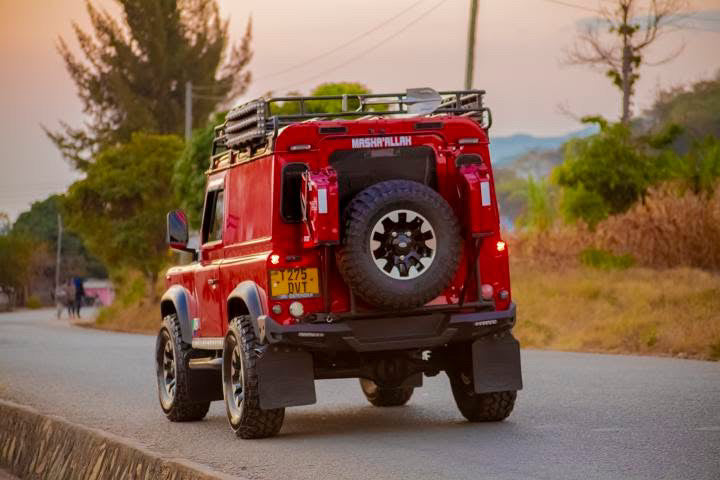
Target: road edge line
38,446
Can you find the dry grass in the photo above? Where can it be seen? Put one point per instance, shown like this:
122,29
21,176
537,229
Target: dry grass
669,229
143,317
637,310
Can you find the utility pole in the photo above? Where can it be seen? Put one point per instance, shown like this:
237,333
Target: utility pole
188,110
59,251
470,62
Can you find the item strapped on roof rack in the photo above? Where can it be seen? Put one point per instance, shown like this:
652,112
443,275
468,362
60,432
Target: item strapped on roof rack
249,126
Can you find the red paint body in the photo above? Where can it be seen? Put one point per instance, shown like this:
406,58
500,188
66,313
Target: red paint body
254,231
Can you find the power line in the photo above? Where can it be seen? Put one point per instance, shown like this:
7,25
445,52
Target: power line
574,5
342,45
366,51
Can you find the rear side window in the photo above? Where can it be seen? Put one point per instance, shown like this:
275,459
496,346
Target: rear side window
213,216
291,209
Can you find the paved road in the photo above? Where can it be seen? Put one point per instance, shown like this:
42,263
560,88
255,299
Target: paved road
580,416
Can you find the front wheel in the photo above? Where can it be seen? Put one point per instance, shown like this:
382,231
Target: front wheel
385,397
240,385
479,407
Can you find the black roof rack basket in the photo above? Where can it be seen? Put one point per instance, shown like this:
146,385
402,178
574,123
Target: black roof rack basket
249,126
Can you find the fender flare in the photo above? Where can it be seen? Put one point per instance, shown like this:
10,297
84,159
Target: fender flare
179,298
250,294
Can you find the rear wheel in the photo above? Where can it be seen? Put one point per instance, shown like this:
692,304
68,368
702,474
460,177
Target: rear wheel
240,385
479,407
385,397
173,376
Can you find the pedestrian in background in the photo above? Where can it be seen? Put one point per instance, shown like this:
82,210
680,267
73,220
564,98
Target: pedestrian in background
61,299
79,294
70,295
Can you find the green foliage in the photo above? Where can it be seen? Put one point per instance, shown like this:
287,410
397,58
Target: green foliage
188,177
511,192
612,166
41,224
699,169
120,207
580,204
16,258
324,106
604,260
540,213
695,108
134,72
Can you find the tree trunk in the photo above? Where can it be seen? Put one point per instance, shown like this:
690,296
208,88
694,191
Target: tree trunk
151,278
626,83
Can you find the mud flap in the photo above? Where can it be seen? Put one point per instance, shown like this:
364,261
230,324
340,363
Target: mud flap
496,365
285,378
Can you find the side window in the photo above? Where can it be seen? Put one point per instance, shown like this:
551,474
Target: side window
291,209
213,216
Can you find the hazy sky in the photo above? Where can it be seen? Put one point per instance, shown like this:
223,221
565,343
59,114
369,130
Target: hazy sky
518,61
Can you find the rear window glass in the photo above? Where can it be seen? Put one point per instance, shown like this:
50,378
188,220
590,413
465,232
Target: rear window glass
359,168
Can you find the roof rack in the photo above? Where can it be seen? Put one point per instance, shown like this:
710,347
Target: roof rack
251,125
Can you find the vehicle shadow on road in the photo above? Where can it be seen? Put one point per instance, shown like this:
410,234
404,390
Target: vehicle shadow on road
371,421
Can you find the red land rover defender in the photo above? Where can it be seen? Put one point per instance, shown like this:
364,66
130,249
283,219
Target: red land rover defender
363,243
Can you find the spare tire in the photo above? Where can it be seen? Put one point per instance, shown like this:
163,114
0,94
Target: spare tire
401,245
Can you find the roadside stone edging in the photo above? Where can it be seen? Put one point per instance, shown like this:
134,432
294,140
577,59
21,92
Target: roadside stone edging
36,446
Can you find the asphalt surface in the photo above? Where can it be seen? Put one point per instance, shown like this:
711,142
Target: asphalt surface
580,415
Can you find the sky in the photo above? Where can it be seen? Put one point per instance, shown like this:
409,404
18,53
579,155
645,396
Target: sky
518,61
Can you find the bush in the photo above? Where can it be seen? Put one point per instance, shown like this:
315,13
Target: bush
33,302
540,213
604,260
699,170
580,204
608,172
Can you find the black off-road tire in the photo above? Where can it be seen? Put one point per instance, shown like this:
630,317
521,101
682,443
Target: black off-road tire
355,259
385,397
248,420
178,406
480,407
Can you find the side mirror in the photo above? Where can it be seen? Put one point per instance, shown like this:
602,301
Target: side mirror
177,230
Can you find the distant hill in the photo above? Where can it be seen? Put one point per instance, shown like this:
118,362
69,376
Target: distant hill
503,150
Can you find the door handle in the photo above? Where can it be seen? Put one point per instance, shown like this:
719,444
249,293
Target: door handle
212,281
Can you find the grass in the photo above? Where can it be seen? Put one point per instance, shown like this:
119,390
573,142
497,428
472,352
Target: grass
131,311
629,310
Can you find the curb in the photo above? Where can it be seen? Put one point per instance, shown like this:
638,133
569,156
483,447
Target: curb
36,446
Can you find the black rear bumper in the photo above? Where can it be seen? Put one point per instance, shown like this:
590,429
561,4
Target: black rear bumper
423,330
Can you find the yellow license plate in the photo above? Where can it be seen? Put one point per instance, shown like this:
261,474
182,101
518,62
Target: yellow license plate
294,283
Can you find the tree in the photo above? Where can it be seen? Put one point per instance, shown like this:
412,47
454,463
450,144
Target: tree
134,73
324,106
631,30
41,224
189,173
694,108
607,172
20,259
120,207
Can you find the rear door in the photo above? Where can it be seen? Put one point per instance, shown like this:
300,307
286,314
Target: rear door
207,277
